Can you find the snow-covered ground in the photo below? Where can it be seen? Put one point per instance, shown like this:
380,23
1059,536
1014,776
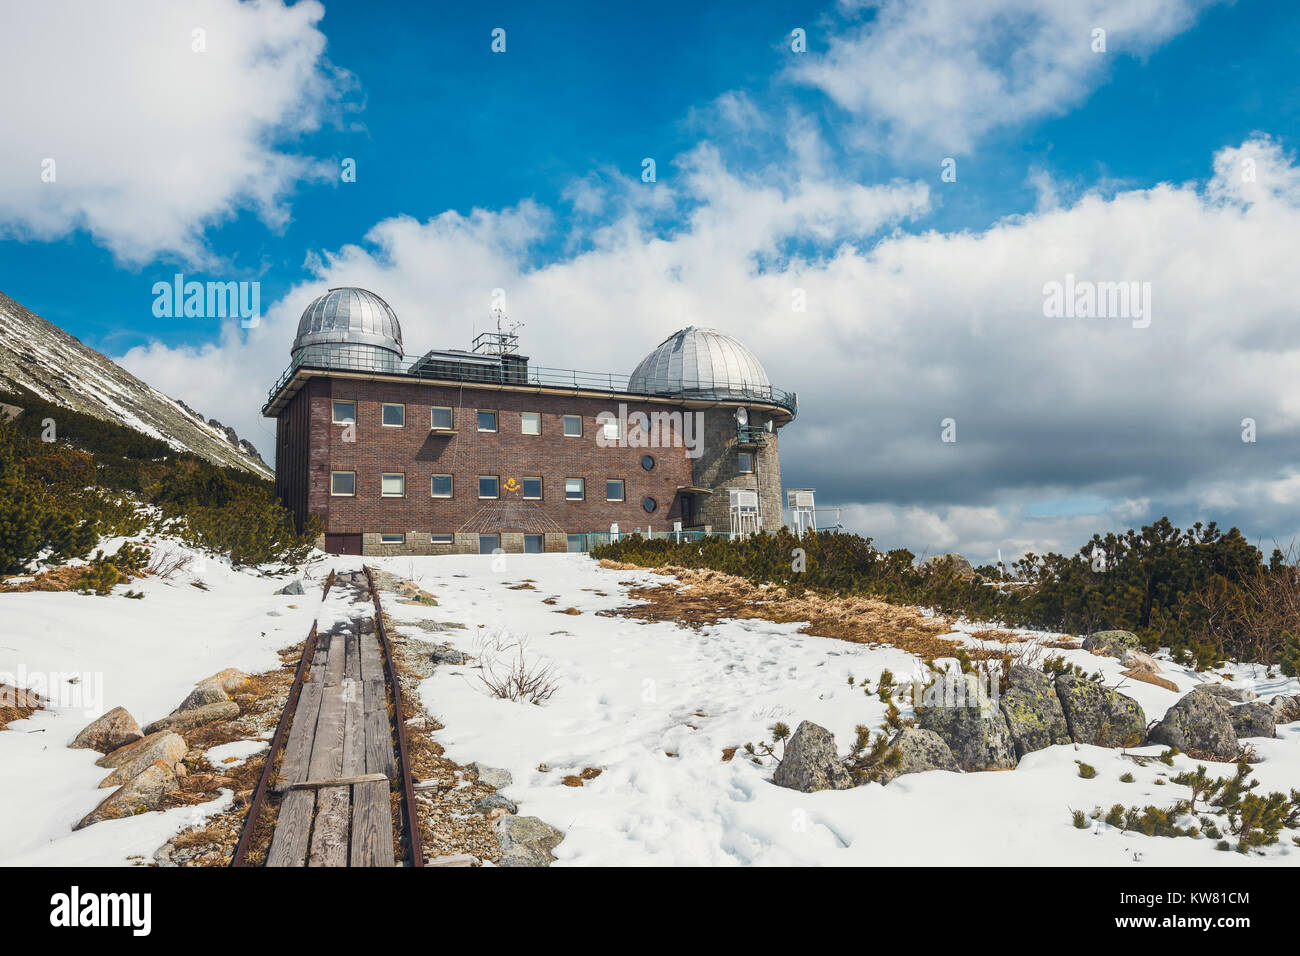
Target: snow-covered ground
630,694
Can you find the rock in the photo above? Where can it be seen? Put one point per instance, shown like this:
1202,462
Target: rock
1132,657
1111,643
1253,719
186,719
922,750
115,729
526,841
811,762
1099,715
1238,695
167,747
115,758
495,801
1198,724
1286,708
202,695
293,587
446,654
492,776
972,726
960,566
231,680
1148,676
1033,711
142,792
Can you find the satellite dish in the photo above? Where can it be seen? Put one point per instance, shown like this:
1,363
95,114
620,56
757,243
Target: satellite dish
742,416
767,426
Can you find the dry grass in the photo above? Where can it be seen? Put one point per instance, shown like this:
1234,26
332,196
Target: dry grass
62,578
1150,677
713,596
17,704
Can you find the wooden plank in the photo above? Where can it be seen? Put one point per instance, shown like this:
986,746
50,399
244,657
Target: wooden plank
354,735
337,659
289,842
372,661
352,665
338,781
376,697
327,749
372,825
329,835
379,744
297,751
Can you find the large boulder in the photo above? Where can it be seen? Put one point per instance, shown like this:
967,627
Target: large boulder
1286,708
811,762
293,587
922,750
1135,658
1112,643
1198,725
188,719
1230,692
1253,719
105,734
1099,715
142,792
166,747
492,776
1033,711
526,841
202,695
115,758
231,679
971,725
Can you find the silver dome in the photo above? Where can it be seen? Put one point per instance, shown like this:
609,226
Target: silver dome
349,327
703,361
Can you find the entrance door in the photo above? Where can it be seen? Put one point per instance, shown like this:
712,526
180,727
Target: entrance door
343,543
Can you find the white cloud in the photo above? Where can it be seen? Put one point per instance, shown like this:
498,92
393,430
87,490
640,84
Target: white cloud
939,74
152,141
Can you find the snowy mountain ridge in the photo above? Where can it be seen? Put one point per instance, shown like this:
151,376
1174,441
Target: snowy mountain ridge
37,355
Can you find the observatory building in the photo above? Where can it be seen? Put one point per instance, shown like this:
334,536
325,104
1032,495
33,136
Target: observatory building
459,451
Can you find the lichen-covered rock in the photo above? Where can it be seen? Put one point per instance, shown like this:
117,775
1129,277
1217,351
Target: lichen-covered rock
187,719
811,762
1198,724
922,750
1253,719
492,776
127,753
1099,715
1111,643
202,695
166,747
231,680
974,729
446,654
1230,692
108,732
141,793
1286,708
526,841
1033,711
495,801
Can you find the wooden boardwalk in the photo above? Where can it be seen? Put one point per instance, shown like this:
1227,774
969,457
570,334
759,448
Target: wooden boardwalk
338,763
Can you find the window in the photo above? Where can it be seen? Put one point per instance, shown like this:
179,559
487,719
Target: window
487,421
613,489
394,415
441,486
488,543
345,413
572,426
648,462
533,489
745,462
649,505
575,489
576,542
610,426
532,544
440,418
489,486
393,486
441,539
530,423
392,537
343,482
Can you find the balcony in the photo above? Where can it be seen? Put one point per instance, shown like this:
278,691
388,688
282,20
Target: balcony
750,435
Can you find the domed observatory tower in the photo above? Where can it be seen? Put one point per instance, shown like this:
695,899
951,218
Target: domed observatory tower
349,328
737,477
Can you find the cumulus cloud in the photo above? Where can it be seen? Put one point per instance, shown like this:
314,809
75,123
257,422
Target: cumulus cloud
940,74
151,140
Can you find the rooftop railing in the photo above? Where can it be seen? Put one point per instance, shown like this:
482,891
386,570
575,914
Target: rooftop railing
477,371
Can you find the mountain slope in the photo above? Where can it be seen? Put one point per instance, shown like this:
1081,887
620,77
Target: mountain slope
41,357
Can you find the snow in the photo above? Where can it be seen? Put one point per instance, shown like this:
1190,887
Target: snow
631,691
235,753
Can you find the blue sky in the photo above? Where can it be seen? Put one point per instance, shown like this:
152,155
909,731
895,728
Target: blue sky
438,123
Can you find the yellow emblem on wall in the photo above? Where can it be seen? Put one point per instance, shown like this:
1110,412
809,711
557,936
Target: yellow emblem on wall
512,485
